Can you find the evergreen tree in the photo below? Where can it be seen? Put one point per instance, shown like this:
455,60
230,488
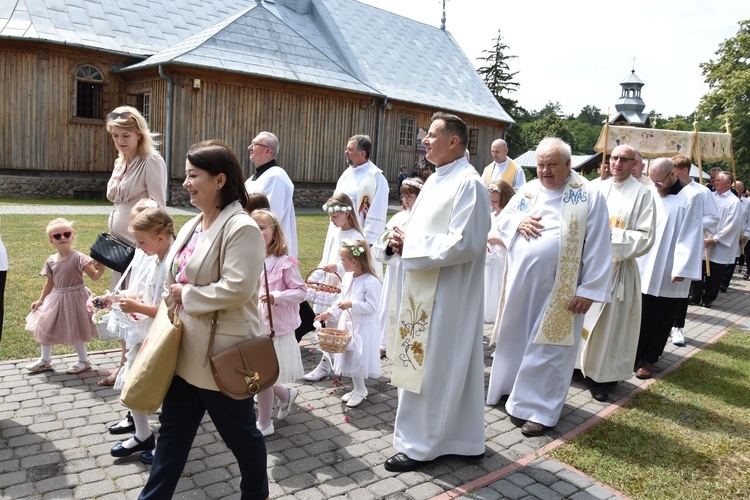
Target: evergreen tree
497,74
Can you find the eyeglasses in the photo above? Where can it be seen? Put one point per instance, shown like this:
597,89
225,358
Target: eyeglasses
58,236
124,116
256,144
661,182
620,158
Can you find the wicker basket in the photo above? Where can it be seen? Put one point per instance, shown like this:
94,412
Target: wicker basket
333,340
321,293
104,333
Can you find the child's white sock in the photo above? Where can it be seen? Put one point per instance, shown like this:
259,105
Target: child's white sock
80,348
359,386
46,352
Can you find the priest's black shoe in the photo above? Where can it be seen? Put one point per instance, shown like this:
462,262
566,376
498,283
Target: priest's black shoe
599,392
401,463
123,428
532,429
120,451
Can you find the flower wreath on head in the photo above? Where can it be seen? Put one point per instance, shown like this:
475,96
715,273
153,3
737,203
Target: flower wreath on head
352,245
414,184
336,208
493,188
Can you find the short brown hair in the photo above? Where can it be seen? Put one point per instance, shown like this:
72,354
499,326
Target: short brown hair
681,161
454,126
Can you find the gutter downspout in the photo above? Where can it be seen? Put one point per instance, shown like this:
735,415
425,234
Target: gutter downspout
377,129
168,134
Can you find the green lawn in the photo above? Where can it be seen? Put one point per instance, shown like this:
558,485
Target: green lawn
28,248
686,436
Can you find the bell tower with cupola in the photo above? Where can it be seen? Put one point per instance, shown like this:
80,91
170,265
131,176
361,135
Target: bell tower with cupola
630,105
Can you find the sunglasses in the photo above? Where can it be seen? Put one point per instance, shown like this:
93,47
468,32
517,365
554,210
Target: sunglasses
58,236
124,116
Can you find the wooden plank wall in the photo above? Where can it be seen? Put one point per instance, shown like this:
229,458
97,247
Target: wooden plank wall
37,126
39,132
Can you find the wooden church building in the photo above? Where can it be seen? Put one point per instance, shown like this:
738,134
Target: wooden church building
314,72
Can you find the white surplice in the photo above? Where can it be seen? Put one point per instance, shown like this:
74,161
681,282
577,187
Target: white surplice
493,274
278,187
447,416
728,230
677,244
608,355
350,183
537,376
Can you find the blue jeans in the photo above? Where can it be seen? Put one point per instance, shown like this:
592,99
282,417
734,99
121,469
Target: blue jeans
182,412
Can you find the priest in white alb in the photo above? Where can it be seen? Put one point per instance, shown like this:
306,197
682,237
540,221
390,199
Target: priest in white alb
556,230
366,186
610,336
438,361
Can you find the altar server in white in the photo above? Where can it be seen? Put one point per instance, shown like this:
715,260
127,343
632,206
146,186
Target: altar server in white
273,181
438,362
556,230
674,260
608,351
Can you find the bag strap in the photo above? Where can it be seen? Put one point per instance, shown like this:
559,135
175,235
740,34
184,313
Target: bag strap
268,304
122,276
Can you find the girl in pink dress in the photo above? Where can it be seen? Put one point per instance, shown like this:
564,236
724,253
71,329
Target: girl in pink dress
60,315
286,290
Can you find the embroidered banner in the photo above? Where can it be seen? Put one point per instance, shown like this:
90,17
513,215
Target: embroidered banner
713,146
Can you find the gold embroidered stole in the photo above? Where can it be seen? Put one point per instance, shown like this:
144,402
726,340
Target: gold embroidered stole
557,322
430,215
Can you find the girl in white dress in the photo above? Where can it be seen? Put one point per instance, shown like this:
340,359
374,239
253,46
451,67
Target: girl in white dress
500,193
341,211
358,312
394,274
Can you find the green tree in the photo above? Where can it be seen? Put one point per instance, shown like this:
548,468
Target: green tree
728,99
497,74
549,125
591,115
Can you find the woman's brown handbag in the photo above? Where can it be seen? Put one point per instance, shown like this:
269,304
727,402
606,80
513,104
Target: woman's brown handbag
112,252
248,367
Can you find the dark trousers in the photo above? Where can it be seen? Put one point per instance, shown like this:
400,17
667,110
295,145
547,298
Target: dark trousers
681,313
182,412
706,290
657,316
726,279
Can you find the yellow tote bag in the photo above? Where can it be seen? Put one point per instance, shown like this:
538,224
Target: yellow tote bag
154,366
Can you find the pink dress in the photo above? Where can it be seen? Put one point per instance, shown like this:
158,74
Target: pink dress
63,319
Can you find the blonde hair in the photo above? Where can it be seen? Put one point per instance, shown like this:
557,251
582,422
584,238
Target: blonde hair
343,200
142,205
278,245
59,222
153,221
359,250
135,123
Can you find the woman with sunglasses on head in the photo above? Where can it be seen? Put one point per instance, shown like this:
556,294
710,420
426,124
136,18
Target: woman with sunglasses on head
140,172
60,316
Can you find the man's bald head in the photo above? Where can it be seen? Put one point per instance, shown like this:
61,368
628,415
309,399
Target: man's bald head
499,150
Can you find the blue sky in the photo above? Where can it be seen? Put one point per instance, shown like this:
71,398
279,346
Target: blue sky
577,52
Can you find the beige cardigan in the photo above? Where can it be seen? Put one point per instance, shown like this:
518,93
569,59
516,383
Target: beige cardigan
234,293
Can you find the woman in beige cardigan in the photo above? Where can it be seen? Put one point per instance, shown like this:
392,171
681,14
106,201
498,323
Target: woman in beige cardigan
214,265
140,172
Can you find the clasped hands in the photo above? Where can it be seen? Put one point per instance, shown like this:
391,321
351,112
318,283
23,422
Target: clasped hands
396,240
